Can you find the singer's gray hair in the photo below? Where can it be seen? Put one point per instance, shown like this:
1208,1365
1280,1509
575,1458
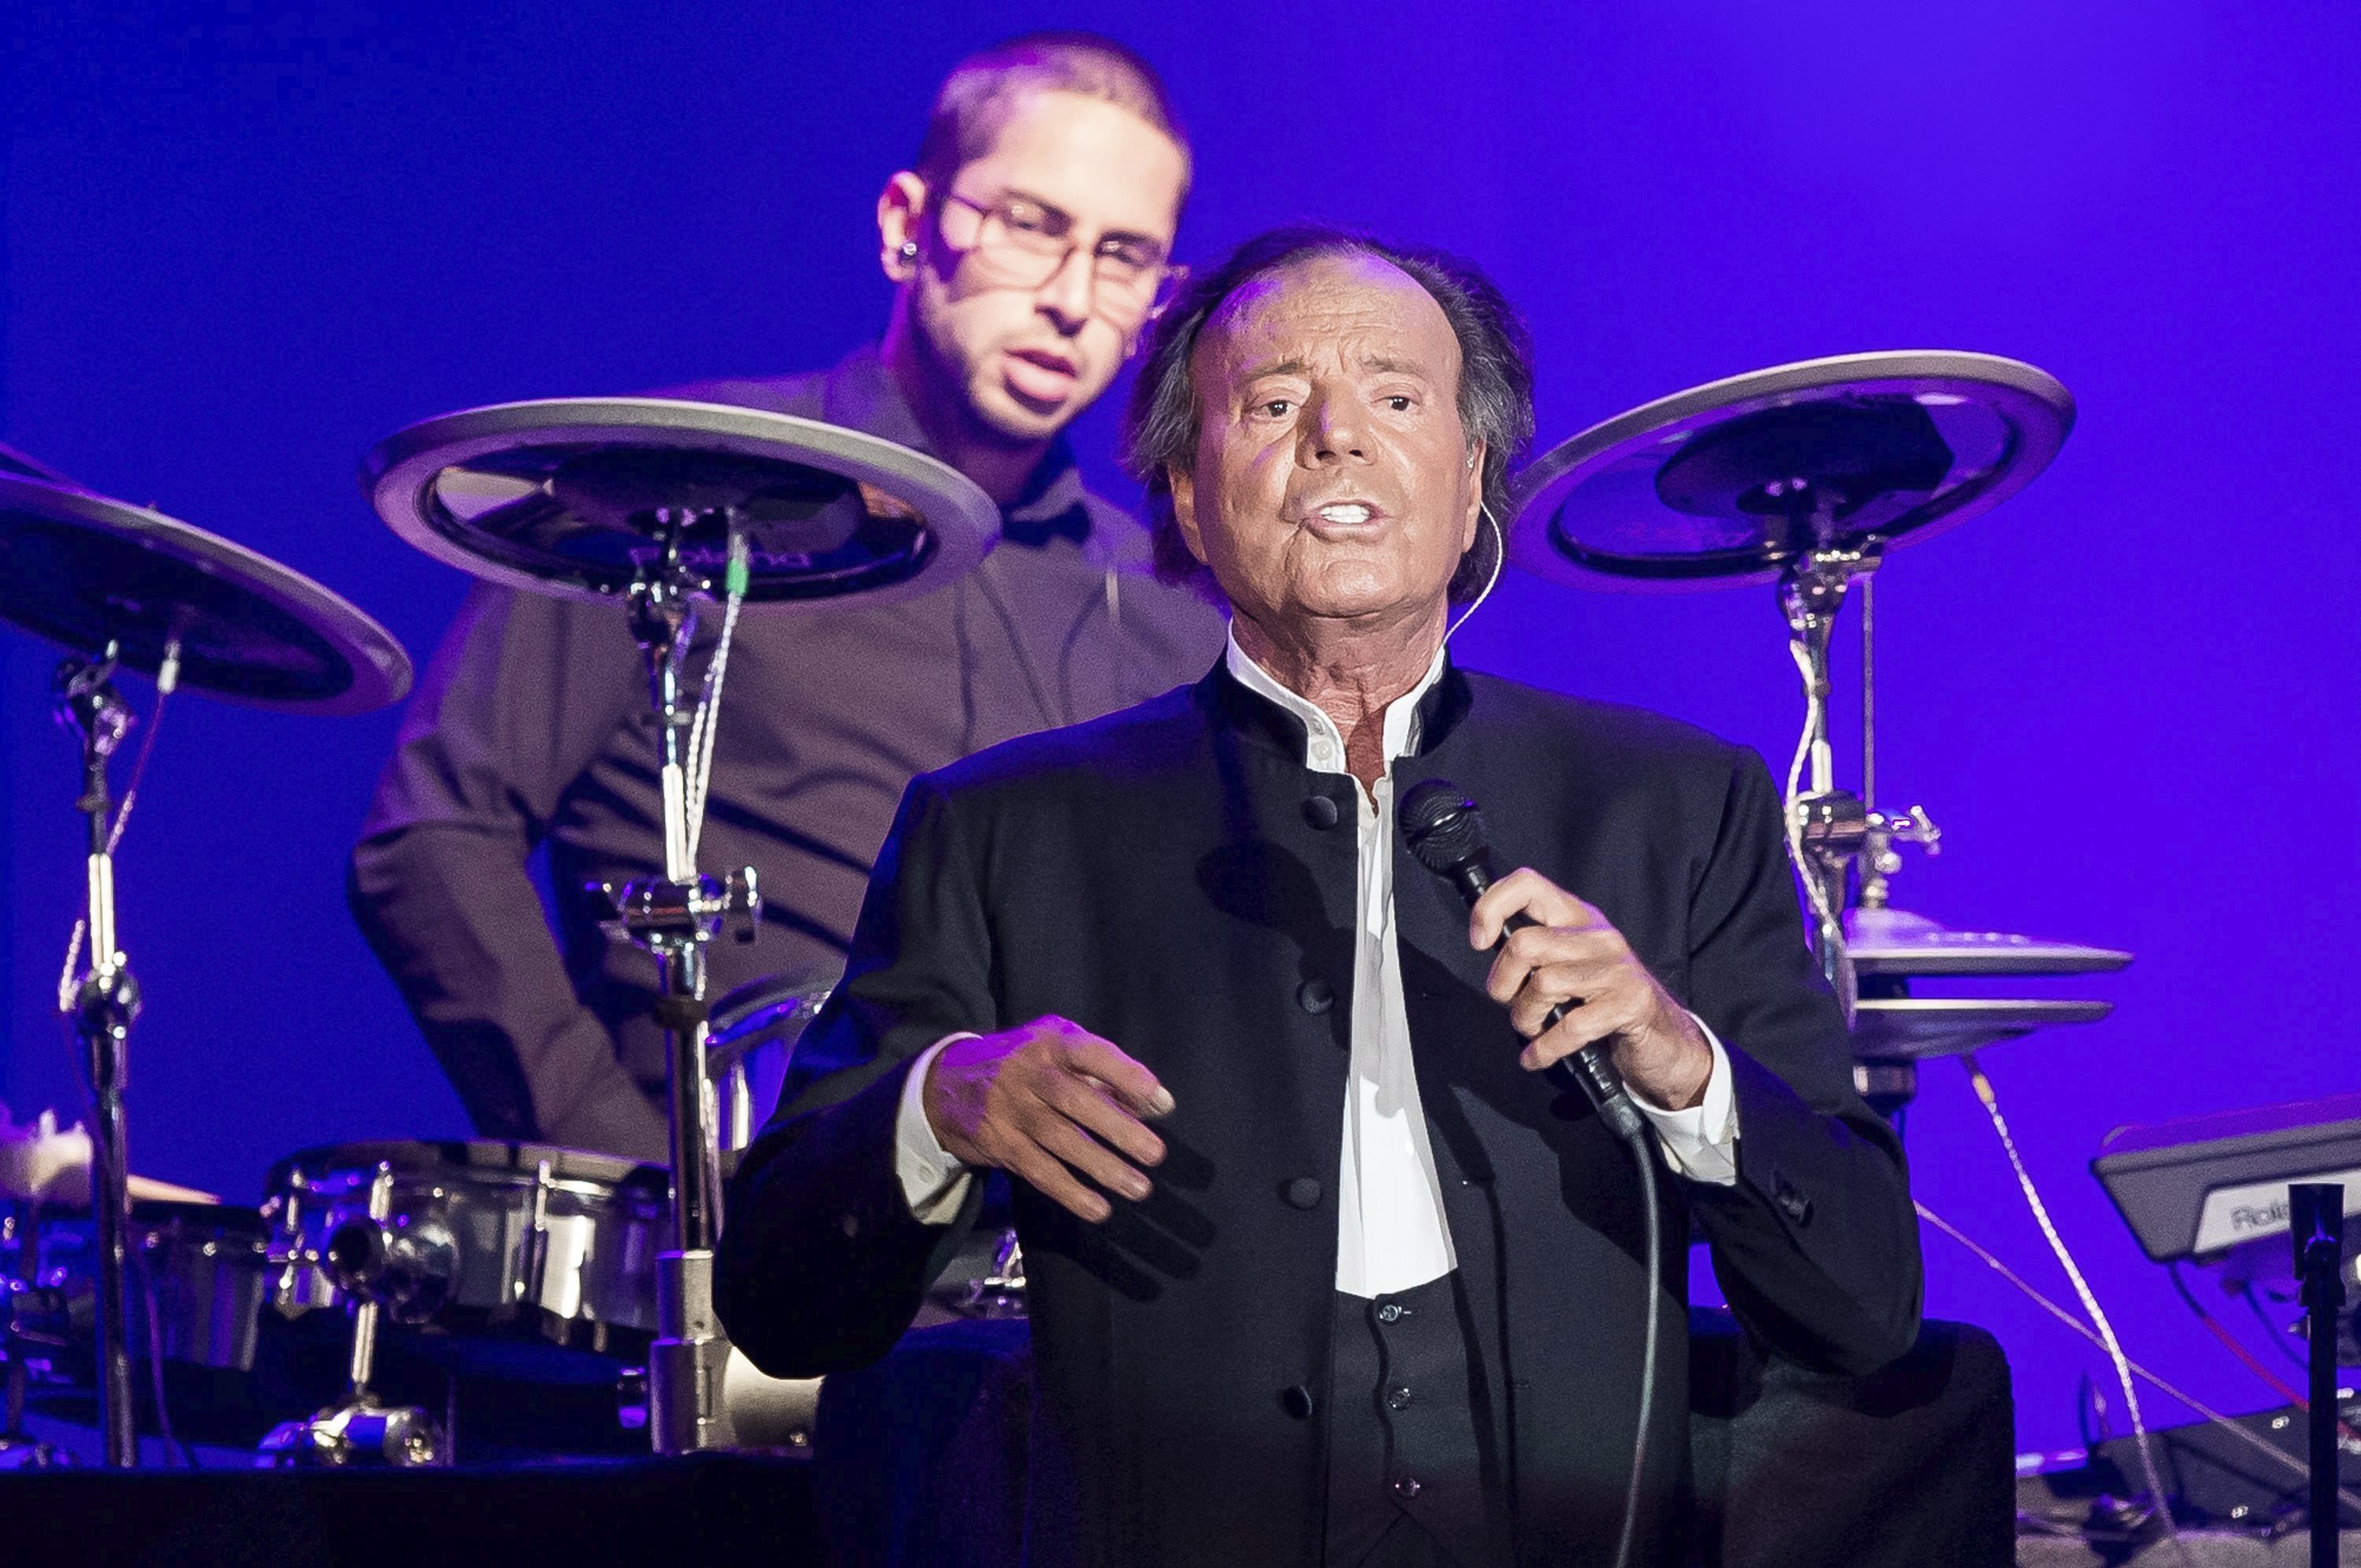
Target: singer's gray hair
1496,382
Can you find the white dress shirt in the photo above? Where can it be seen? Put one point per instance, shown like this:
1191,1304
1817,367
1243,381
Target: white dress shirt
1392,1232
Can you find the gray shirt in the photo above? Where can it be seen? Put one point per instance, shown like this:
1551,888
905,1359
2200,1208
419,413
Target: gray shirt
532,726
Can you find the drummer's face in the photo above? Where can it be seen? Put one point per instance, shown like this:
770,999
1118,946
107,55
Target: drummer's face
1029,358
1332,481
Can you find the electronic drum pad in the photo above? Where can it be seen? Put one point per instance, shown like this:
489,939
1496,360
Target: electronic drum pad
571,497
83,571
1730,482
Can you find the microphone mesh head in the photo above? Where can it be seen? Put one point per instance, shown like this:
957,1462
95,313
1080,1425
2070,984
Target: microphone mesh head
1443,828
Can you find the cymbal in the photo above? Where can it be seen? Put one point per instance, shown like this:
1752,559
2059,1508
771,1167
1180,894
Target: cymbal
1892,941
42,1164
560,495
15,462
1729,482
81,571
1915,1027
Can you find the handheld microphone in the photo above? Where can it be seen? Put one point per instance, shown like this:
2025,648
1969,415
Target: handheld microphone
1445,833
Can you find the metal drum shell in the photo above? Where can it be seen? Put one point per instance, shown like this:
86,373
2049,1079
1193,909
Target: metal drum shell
579,1274
204,1266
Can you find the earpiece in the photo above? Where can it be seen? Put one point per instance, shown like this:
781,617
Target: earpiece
1500,559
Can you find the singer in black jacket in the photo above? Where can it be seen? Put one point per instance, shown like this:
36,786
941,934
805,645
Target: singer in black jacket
1178,888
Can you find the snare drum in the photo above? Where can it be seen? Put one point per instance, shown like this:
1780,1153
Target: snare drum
475,1238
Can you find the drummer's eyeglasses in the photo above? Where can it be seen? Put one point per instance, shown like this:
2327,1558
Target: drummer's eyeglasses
1020,242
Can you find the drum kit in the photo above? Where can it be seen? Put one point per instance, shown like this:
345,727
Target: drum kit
1801,476
668,509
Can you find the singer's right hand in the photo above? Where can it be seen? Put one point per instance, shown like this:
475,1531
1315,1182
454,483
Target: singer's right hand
1051,1103
1557,951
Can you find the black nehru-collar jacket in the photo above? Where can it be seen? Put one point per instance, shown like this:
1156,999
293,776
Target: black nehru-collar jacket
1172,877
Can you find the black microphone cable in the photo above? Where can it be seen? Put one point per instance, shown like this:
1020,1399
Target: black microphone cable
1445,833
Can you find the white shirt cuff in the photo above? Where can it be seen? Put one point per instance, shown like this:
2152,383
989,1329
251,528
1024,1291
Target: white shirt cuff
933,1183
1701,1143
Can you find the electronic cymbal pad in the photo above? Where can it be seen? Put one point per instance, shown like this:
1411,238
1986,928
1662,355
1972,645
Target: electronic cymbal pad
1911,1027
1733,481
87,573
572,496
1887,941
26,466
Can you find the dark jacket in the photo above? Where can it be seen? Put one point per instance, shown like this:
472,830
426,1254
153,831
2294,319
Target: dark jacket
1155,877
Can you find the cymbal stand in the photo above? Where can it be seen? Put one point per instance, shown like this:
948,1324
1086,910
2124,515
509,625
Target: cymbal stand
104,1002
1826,825
671,919
1831,831
19,1282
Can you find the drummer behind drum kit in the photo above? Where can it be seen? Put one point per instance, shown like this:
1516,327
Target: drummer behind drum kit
1801,476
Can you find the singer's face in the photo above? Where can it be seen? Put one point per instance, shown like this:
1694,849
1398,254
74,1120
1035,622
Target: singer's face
1333,483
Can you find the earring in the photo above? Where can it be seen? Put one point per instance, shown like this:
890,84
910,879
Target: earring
908,250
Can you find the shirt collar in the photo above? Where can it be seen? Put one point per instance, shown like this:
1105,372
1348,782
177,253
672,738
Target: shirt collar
860,394
1324,744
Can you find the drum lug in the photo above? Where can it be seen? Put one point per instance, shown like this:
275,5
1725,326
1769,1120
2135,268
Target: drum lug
286,1251
532,1275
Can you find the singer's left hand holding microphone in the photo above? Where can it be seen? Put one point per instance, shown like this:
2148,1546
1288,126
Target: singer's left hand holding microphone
1573,954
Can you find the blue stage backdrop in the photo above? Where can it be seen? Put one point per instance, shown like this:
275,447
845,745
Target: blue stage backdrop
243,242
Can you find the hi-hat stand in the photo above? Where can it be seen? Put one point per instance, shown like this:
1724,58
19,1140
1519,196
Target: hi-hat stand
673,918
1843,848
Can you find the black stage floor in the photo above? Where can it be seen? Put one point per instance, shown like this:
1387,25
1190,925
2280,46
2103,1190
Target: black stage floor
709,1509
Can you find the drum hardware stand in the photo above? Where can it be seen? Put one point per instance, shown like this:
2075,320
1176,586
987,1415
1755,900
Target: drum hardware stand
2316,1226
1001,1293
360,1431
1843,848
673,918
19,1268
103,1004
